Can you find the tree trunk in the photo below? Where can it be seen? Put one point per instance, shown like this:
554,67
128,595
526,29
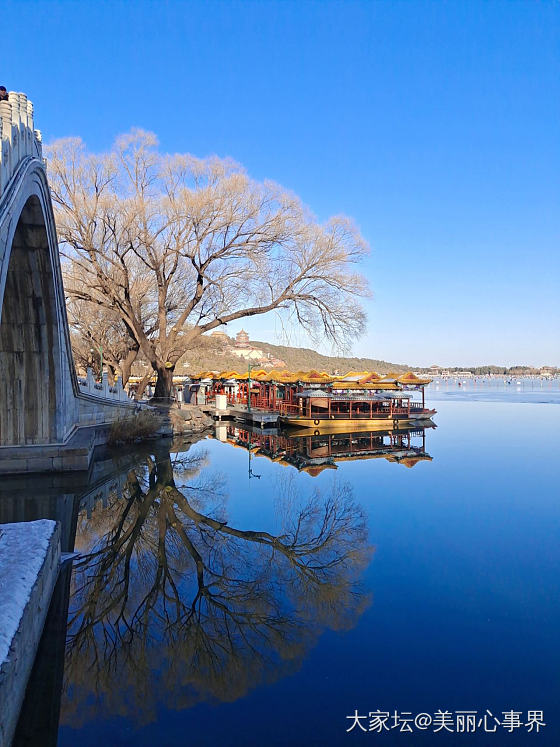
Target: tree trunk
143,384
126,364
164,383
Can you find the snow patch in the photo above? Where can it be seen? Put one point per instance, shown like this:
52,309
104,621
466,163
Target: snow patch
23,548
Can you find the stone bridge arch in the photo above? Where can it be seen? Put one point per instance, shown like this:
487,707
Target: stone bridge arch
28,336
48,420
36,388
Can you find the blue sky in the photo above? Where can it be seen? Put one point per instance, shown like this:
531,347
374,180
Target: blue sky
434,124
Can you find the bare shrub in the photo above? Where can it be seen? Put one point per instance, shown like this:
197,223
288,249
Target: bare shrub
139,426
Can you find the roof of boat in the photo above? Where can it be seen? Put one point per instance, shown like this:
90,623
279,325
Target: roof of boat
348,397
352,379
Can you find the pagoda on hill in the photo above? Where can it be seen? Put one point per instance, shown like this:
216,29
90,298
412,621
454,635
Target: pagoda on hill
242,339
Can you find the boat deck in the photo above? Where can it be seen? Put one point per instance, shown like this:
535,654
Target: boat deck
266,418
263,418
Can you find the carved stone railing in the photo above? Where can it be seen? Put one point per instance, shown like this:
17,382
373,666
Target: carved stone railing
103,390
18,137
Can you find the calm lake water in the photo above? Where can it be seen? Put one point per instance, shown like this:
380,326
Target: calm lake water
226,600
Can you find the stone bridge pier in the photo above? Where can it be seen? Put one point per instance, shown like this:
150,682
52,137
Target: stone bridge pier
49,421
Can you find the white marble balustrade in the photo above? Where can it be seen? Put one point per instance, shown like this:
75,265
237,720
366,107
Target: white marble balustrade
103,390
18,137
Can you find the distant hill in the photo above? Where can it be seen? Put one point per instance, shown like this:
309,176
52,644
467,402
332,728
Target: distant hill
305,359
216,355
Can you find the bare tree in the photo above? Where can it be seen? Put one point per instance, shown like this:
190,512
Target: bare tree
178,246
99,329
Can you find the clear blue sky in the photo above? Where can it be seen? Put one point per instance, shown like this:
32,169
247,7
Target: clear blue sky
434,124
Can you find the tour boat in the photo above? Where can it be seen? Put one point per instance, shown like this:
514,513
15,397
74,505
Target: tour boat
316,399
334,411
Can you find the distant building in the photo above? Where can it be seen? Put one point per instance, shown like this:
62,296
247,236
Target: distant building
220,336
244,349
249,353
242,339
271,362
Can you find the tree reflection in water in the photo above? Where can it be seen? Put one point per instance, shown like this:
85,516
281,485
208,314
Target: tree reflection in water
172,603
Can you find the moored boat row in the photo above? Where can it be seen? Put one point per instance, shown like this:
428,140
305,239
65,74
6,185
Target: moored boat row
320,401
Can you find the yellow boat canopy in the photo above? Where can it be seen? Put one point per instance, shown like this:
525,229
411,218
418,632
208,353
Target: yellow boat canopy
411,378
351,380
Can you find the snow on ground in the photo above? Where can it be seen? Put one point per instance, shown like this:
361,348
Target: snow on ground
23,548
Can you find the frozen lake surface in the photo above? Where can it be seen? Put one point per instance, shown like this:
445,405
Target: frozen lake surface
495,390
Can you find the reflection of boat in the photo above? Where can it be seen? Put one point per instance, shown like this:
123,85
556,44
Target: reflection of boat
312,452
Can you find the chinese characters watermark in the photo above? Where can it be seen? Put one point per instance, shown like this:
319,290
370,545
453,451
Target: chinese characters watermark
456,722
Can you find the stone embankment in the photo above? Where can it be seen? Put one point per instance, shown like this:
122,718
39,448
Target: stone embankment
189,419
29,561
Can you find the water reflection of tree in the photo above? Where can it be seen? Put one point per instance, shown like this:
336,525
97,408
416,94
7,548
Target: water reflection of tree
171,602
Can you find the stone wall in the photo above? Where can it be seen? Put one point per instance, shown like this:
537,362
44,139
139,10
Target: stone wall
29,561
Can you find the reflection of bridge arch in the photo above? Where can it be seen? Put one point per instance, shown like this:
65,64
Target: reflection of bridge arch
35,374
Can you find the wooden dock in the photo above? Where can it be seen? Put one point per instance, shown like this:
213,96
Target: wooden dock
262,418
